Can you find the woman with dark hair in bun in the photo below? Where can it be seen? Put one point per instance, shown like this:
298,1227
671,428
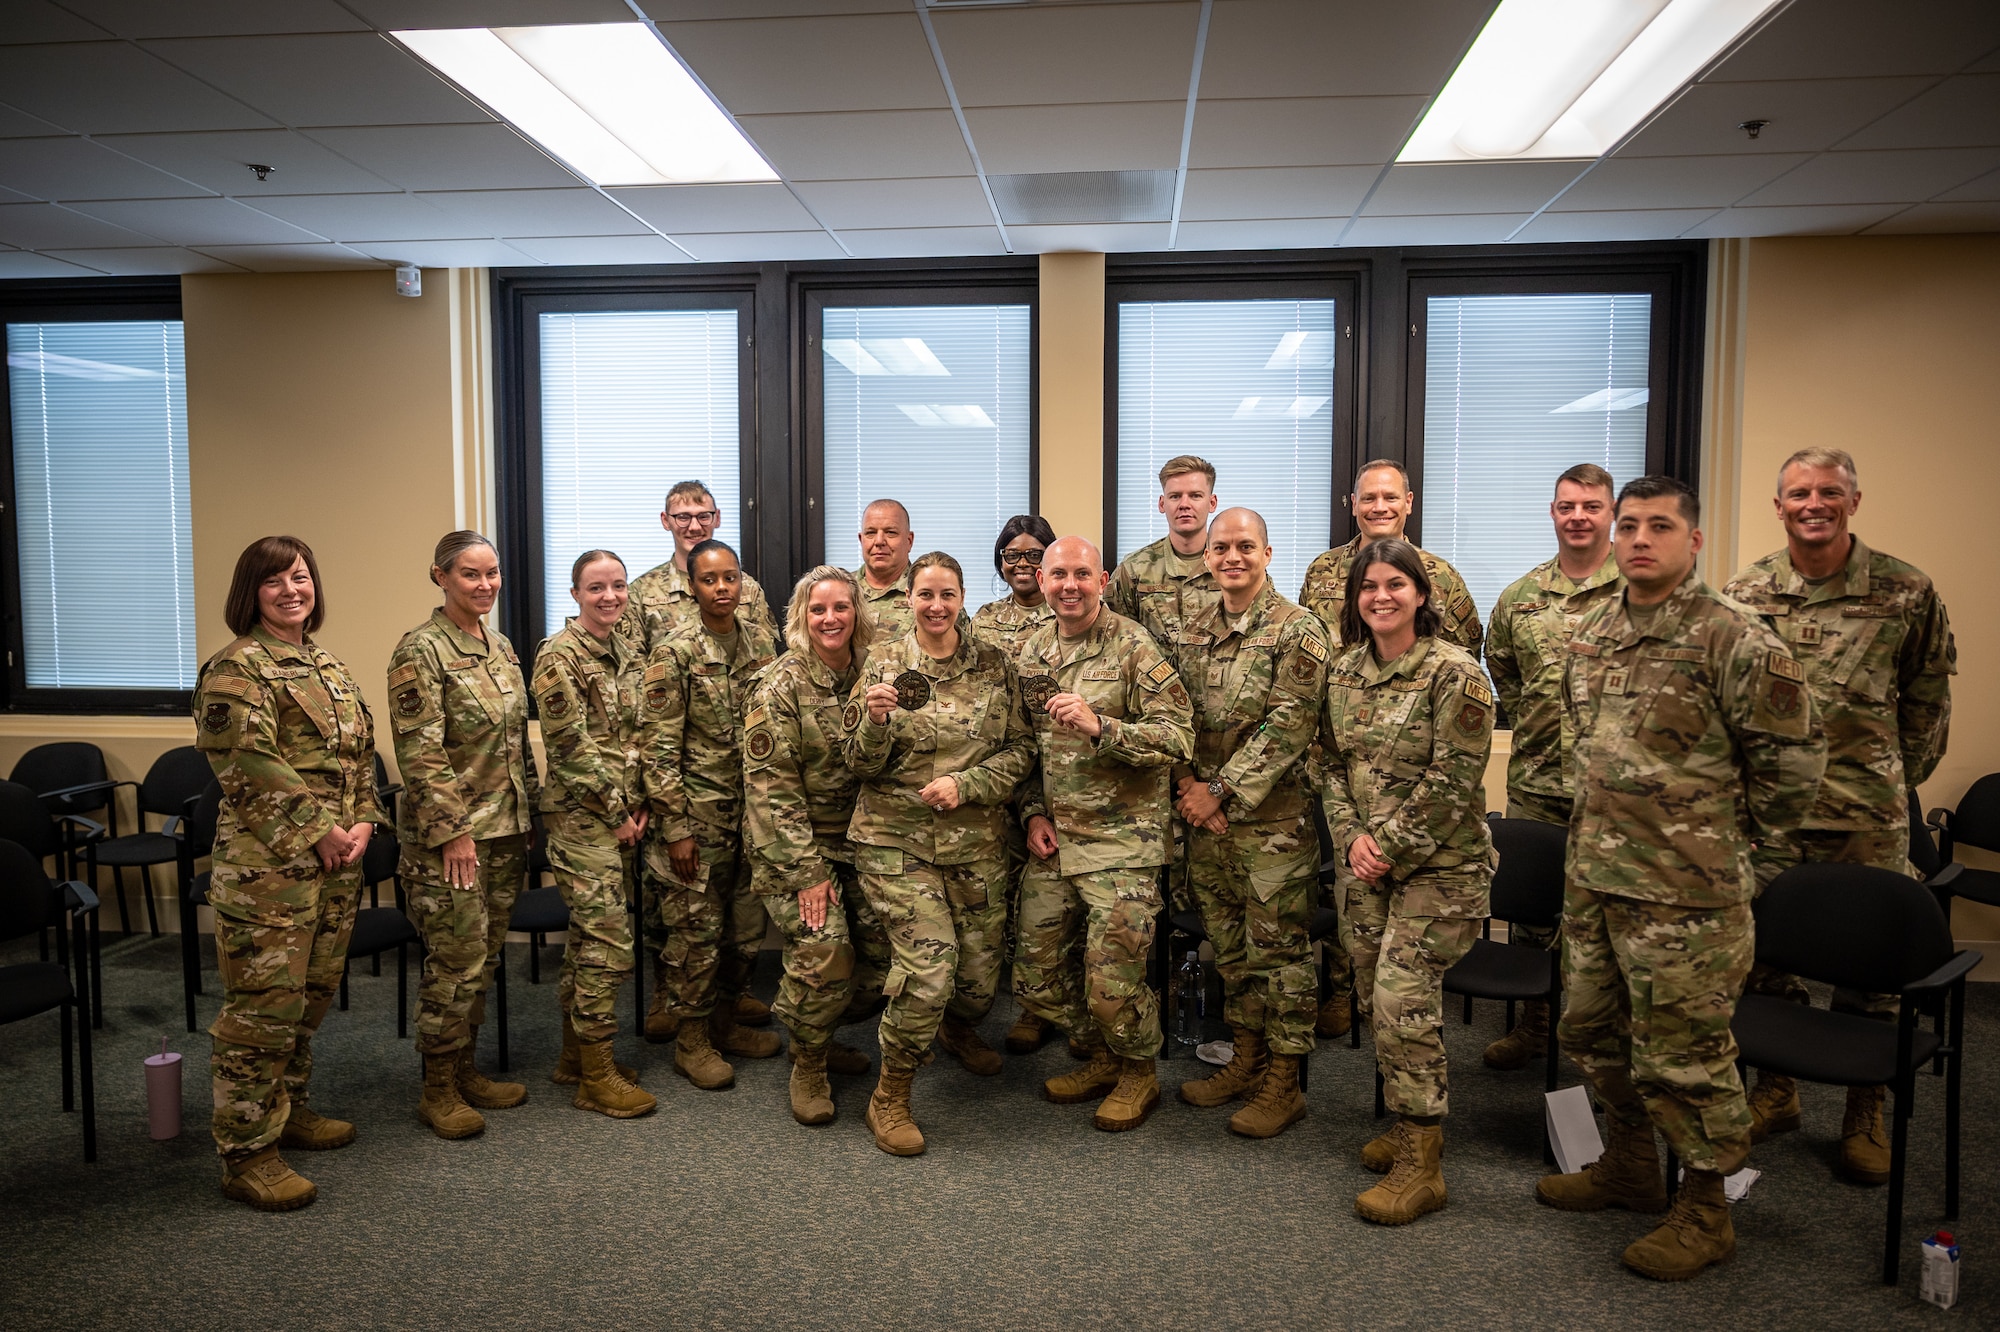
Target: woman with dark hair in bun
1017,558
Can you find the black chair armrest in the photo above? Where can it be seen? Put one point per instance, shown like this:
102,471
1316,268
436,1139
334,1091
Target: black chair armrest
64,792
1939,822
78,897
90,829
173,824
1945,877
1947,975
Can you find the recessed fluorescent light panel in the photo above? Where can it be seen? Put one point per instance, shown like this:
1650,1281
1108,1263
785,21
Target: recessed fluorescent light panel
886,356
1570,78
607,98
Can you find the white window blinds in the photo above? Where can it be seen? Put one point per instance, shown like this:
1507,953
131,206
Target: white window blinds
927,404
632,402
1248,385
99,413
1517,390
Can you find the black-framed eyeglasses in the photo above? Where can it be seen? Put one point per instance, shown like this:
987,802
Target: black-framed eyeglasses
1031,558
698,516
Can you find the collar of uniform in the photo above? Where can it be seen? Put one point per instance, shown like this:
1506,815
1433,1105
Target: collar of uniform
710,642
820,673
461,640
1667,620
1007,610
874,593
1184,567
1550,577
1852,581
281,649
1088,644
916,659
591,643
671,578
1374,672
1214,619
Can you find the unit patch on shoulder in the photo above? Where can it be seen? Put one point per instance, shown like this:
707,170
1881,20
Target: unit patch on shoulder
410,702
850,716
1462,607
1784,698
1312,646
760,745
556,705
1160,674
1477,689
1778,664
215,719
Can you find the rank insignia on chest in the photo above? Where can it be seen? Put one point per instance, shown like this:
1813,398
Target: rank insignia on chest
216,718
1615,678
1808,634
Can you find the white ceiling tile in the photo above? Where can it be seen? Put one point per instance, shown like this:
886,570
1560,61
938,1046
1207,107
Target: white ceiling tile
347,217
1037,55
1986,189
676,10
20,125
923,242
1255,192
1829,220
1959,112
648,249
1880,177
745,246
1636,224
199,222
1940,219
1279,234
861,145
447,157
1102,237
294,258
1629,183
1470,187
215,18
393,14
74,168
1805,116
1847,38
1336,48
147,259
114,88
40,21
470,253
1301,131
356,78
1465,229
219,160
1105,136
865,62
952,201
49,227
678,208
21,264
511,213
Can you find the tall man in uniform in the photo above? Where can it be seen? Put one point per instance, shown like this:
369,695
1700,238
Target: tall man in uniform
1256,663
1111,719
1696,757
886,541
1526,643
1872,634
1168,583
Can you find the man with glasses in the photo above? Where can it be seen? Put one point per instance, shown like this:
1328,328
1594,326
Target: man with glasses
886,541
662,602
1166,584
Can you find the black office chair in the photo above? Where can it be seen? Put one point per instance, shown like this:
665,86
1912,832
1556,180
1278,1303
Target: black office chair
197,840
538,912
25,819
1527,890
1329,876
29,902
1865,929
1976,822
71,779
377,928
176,777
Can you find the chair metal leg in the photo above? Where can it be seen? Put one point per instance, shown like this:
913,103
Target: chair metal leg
1468,1010
124,907
1673,1172
536,943
1381,1108
1954,1069
1305,1070
500,997
68,1065
89,1091
343,987
96,976
402,990
1899,1137
152,901
190,959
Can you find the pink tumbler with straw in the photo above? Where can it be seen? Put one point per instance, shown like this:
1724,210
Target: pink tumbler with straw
163,1093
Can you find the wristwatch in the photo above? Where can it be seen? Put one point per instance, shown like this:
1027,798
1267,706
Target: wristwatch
1219,789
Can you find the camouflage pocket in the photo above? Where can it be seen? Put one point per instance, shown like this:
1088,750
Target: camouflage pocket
878,860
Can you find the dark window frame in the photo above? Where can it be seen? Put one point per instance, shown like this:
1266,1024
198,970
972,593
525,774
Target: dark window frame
69,301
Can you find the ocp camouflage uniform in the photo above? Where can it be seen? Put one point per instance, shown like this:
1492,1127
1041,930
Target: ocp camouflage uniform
459,710
798,799
697,688
293,745
587,693
890,606
1108,800
1163,590
1406,750
1325,592
1006,623
1696,758
933,876
1256,689
662,604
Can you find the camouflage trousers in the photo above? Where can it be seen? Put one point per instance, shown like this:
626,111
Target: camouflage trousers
590,868
1399,966
842,963
281,944
1255,886
1541,809
698,964
463,931
745,922
1082,960
1649,992
1884,848
945,924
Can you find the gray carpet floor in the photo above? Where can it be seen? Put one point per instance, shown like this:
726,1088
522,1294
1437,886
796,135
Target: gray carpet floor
720,1211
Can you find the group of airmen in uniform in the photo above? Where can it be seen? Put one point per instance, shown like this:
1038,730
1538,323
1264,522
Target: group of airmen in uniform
919,800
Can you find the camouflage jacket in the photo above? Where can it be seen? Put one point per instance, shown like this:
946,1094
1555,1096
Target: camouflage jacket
1162,589
1526,643
1879,656
972,728
889,605
1256,702
1006,623
459,710
292,743
697,689
662,603
587,693
1325,592
798,795
1406,748
1108,797
1697,753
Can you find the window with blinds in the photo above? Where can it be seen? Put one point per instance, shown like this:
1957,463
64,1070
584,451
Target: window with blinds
1246,384
1517,390
929,405
99,417
632,401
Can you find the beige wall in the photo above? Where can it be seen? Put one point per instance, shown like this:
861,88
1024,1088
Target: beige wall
1070,426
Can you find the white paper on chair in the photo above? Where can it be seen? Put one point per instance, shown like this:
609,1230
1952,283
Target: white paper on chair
1736,1185
1573,1129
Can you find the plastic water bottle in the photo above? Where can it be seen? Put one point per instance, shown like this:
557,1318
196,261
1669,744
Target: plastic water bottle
1940,1275
1191,987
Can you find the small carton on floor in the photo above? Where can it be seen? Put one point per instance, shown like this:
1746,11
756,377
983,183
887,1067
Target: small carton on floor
1573,1129
1940,1275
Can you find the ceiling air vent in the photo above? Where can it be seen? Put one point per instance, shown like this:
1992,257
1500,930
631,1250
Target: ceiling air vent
1084,196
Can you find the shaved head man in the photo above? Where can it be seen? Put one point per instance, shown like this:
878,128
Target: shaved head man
887,539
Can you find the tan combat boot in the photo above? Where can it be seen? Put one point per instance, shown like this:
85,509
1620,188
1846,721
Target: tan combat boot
889,1114
1379,1152
1336,1015
730,1037
603,1090
308,1130
1415,1184
1696,1233
751,1011
1237,1078
695,1057
263,1180
442,1107
1626,1174
1028,1034
1864,1141
480,1090
1134,1098
1078,1049
1088,1083
963,1043
1278,1104
569,1064
1774,1106
812,1096
1528,1040
846,1060
660,1025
